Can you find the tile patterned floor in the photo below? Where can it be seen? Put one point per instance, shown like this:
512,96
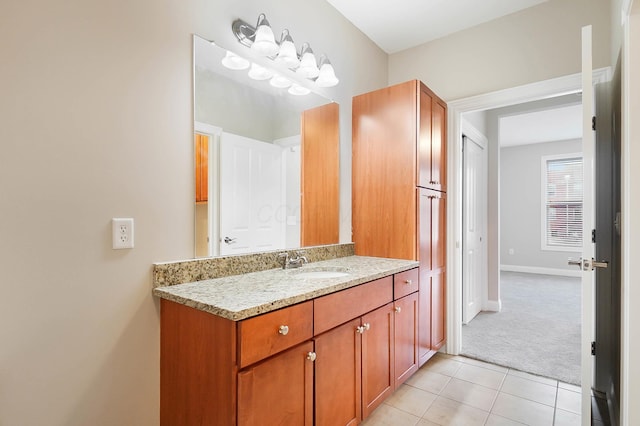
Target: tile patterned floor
454,390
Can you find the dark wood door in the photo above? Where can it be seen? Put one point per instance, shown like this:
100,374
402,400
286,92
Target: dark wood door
438,310
405,337
608,245
278,391
377,357
338,376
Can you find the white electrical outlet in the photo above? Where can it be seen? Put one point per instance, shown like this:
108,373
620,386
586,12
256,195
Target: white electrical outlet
122,232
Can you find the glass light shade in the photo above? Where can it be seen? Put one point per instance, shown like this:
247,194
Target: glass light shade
327,76
308,67
280,82
287,54
298,90
258,72
235,62
264,43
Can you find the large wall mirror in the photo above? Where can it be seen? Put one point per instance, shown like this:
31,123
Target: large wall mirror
266,162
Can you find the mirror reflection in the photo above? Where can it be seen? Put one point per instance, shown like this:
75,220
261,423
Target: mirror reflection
252,143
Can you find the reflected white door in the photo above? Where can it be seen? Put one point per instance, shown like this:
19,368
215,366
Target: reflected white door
474,223
252,213
588,224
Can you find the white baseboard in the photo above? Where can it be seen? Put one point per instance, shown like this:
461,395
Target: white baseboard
492,305
539,270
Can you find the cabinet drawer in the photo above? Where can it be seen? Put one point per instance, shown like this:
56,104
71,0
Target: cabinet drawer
265,335
334,309
405,283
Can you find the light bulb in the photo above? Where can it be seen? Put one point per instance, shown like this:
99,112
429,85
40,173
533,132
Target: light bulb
298,90
327,76
287,54
264,43
308,67
258,72
235,62
280,82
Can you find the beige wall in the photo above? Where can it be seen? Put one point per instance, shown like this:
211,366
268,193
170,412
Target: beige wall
96,114
535,44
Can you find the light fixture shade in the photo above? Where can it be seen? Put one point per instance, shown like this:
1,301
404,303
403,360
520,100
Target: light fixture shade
264,43
298,90
235,62
280,82
258,72
327,76
308,67
287,55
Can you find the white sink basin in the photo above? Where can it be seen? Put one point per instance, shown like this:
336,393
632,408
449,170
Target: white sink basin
321,273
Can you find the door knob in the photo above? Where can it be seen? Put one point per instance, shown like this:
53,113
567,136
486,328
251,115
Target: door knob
588,264
229,240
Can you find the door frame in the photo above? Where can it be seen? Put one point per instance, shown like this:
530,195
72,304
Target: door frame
516,95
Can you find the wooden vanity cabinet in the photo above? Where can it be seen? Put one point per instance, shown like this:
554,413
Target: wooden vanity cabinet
327,361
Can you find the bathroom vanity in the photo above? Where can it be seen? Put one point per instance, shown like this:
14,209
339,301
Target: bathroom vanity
323,344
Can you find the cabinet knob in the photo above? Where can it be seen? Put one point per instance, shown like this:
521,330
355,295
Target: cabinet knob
360,329
311,356
408,282
366,326
284,330
398,309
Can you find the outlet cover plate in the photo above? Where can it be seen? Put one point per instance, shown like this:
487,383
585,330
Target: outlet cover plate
122,233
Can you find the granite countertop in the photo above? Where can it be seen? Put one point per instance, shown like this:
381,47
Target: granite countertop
242,296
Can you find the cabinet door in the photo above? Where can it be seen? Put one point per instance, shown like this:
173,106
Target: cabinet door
338,376
424,319
432,140
438,310
202,167
377,358
384,172
278,391
405,337
438,145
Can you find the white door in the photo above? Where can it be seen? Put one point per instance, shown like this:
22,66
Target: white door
588,224
474,223
251,195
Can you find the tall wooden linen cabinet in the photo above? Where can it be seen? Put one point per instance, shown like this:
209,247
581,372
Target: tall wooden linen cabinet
399,191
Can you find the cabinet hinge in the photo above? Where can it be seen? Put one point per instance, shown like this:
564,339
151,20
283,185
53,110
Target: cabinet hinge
593,348
593,235
593,123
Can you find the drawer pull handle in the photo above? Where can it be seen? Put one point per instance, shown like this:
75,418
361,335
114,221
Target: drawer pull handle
311,356
398,309
360,329
284,330
408,282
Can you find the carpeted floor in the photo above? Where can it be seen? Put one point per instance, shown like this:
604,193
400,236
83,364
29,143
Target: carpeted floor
537,331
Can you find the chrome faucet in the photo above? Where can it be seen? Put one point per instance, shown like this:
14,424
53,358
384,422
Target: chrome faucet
295,261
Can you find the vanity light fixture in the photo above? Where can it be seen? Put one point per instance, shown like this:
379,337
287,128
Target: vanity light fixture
261,40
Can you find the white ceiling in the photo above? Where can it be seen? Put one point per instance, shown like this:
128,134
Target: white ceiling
400,24
548,125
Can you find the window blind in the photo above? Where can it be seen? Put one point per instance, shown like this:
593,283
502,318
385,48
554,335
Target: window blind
563,202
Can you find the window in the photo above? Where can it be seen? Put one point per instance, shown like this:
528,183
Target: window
562,202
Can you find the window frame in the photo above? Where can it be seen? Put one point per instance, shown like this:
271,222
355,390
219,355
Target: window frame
543,202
